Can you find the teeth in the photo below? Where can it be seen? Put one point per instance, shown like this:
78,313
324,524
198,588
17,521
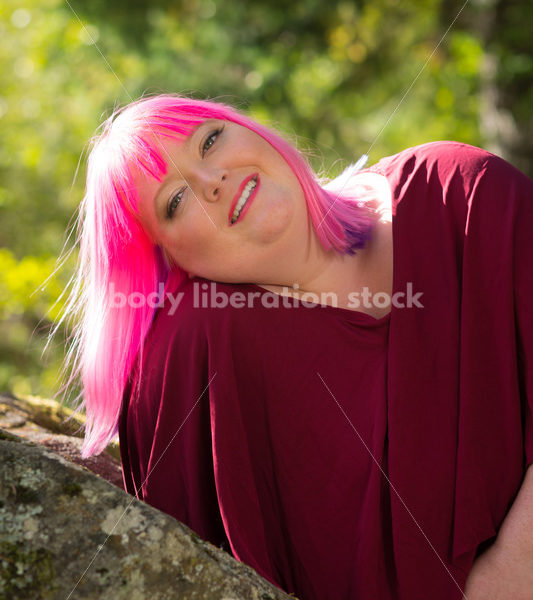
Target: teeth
248,189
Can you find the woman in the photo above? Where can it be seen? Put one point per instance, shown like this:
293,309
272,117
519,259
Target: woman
349,429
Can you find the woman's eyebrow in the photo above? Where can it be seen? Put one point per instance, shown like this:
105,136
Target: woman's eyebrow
171,176
159,204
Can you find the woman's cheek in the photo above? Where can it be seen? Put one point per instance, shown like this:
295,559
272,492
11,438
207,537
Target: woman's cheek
271,220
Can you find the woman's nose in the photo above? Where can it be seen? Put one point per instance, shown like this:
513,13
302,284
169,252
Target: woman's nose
212,183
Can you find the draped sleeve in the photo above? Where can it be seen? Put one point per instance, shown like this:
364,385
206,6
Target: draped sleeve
461,368
165,433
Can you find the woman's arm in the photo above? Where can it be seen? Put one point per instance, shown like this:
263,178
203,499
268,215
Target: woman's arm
505,570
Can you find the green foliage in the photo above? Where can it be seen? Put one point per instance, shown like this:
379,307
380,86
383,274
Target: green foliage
27,307
331,74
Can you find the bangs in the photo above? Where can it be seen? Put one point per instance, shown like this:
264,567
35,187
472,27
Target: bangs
134,147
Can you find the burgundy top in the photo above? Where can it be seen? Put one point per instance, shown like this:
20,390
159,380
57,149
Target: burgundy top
343,456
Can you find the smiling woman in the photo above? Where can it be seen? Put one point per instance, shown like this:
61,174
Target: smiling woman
227,193
128,225
331,380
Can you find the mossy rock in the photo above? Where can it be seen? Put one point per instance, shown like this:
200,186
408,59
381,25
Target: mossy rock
66,533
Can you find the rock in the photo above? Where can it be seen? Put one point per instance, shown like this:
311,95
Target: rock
43,412
48,423
67,534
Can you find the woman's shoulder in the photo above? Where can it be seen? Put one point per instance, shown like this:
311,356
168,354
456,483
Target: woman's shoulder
198,307
448,148
449,173
442,156
446,159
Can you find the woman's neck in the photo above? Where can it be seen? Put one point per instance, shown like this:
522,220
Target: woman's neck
330,275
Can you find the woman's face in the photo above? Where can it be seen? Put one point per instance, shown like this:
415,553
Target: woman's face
193,214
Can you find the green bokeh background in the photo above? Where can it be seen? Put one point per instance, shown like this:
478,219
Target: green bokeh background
329,74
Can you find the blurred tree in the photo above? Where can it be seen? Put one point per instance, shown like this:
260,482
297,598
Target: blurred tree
506,117
505,89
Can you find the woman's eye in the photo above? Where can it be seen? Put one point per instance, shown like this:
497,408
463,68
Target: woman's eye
210,140
174,201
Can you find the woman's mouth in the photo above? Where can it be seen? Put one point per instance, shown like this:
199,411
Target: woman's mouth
243,198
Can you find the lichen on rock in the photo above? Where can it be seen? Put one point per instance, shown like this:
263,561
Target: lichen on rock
66,533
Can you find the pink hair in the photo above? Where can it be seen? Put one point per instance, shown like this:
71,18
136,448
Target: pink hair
117,258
